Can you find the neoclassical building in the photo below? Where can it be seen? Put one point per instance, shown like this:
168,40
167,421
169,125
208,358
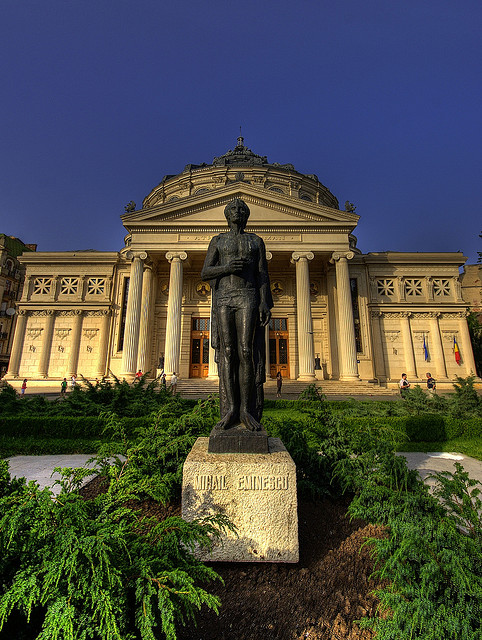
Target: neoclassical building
338,314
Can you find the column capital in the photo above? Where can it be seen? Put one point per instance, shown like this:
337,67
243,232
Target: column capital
142,255
176,256
338,255
299,255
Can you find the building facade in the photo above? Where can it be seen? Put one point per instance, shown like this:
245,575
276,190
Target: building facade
11,283
338,313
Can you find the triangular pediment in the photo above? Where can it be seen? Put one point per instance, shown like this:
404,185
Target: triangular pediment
268,210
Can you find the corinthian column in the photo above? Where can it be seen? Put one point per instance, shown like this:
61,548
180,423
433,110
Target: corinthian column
17,345
103,343
306,350
75,344
131,335
43,366
146,314
173,327
411,370
346,326
438,352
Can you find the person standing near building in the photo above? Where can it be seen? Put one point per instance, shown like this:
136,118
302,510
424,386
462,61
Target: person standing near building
163,381
73,381
279,383
63,387
173,383
404,384
431,384
24,386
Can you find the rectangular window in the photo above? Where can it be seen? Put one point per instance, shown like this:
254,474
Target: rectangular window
278,324
200,324
69,286
42,286
413,287
385,287
122,325
356,313
441,288
96,286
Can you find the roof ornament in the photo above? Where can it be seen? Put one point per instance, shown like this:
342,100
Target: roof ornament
240,139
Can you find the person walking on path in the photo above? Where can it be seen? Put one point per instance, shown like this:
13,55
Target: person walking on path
173,386
431,384
279,383
24,386
73,382
404,385
63,387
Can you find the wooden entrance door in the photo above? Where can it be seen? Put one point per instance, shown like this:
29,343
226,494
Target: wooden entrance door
199,363
279,347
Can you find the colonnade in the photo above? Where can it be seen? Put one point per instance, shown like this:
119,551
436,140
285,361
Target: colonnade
138,318
433,341
46,334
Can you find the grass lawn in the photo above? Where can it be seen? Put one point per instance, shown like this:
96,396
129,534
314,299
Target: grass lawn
469,447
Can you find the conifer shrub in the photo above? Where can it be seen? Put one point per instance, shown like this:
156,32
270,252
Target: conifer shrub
96,569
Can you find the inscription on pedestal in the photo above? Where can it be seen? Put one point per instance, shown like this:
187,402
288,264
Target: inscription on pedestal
244,483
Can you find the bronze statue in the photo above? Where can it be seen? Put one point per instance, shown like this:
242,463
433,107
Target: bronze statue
237,269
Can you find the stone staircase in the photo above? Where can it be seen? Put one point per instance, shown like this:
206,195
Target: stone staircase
201,388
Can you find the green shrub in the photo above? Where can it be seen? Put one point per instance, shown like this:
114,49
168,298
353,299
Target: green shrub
425,428
95,569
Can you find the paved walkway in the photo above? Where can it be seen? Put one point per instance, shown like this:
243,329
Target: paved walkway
40,468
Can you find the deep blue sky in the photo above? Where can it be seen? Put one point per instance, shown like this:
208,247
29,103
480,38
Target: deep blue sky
381,100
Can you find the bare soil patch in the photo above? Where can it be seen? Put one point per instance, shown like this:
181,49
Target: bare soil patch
320,598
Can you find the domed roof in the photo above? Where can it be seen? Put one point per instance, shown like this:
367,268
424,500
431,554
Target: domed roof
252,168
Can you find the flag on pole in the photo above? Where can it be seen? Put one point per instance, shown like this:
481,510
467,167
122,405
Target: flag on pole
456,351
425,350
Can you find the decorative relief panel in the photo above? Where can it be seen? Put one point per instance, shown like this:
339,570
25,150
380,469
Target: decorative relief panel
448,336
34,332
62,333
391,336
90,333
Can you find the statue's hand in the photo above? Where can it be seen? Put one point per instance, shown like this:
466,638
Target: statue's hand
236,265
264,314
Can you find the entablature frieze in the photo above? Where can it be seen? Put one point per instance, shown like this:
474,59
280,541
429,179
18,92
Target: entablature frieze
381,313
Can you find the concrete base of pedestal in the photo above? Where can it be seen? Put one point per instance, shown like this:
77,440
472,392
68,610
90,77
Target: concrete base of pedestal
257,492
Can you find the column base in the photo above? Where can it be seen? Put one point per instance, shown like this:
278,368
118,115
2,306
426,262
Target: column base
350,378
306,377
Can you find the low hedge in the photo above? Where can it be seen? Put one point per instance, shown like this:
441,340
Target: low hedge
64,426
424,428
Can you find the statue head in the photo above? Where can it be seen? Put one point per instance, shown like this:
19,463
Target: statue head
237,210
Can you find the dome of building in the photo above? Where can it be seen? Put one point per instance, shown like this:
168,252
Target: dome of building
240,165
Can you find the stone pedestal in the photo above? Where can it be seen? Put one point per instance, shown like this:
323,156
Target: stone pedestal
257,492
